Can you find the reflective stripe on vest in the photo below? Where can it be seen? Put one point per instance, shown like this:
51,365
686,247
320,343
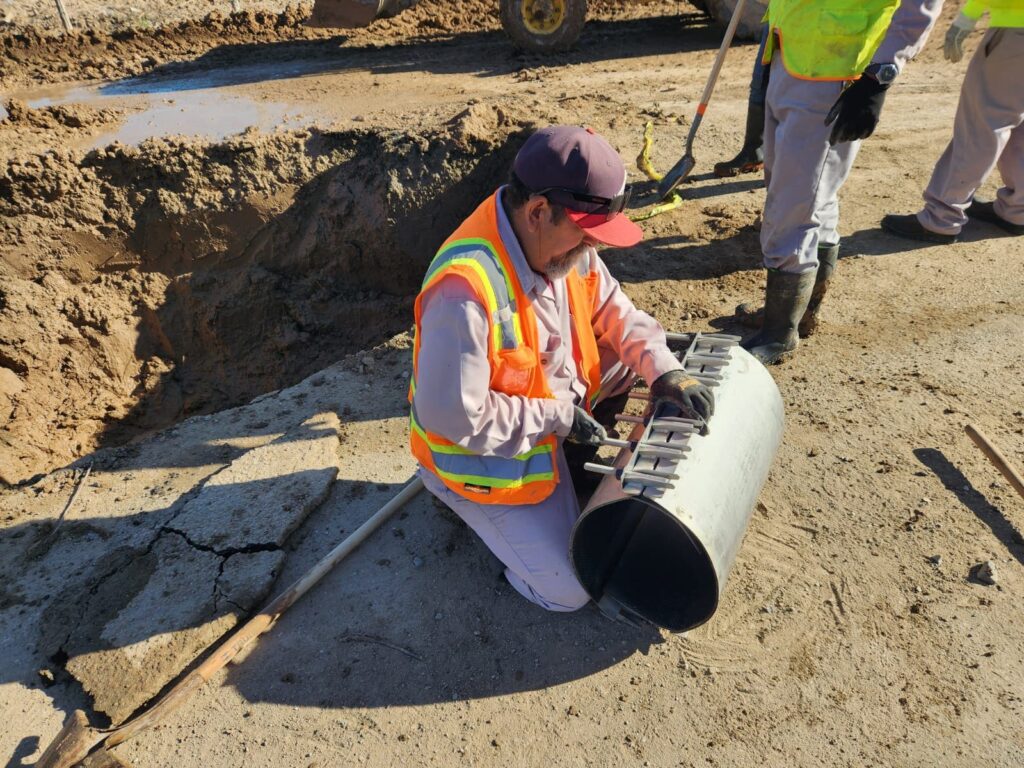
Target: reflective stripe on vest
832,40
459,465
478,254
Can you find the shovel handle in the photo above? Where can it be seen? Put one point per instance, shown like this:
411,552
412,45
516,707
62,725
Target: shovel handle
996,457
709,87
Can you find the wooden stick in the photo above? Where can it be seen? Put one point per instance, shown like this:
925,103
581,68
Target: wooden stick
64,18
1012,475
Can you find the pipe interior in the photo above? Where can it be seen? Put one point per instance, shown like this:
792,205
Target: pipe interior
648,561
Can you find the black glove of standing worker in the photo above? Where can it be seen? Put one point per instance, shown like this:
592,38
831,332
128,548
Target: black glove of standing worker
585,429
856,111
680,389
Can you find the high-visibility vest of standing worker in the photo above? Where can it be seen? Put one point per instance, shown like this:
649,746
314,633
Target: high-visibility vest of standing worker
1001,13
475,253
827,39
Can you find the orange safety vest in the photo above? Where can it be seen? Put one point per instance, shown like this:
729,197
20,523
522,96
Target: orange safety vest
476,253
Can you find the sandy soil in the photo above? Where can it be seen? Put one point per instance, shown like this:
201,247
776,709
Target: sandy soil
142,284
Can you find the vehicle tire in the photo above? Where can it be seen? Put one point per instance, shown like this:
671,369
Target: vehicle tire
543,25
749,27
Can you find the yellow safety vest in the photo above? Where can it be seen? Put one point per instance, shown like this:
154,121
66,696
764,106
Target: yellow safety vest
827,39
1001,13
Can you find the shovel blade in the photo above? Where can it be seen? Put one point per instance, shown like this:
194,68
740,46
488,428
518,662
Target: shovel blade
71,744
673,178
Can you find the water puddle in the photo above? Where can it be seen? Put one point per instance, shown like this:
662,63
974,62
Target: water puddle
203,102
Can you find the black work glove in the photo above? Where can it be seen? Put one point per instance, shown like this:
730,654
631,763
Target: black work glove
586,430
855,113
679,388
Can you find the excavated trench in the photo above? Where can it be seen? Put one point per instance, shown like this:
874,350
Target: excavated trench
145,284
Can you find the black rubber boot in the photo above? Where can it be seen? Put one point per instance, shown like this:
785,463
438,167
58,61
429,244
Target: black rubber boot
828,255
751,156
785,301
752,316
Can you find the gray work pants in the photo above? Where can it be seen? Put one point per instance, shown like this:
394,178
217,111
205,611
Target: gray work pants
988,132
532,540
803,173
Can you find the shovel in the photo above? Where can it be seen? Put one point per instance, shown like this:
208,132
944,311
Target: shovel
77,742
682,168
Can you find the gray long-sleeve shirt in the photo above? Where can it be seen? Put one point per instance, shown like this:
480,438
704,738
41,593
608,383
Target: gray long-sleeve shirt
908,31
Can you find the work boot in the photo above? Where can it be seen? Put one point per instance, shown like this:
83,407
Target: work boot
751,156
752,316
828,255
987,212
785,302
910,227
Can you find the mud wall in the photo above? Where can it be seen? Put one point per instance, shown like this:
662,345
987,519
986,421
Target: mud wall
141,285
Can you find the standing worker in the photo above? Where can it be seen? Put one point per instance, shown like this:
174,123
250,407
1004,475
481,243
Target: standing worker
988,132
830,66
524,340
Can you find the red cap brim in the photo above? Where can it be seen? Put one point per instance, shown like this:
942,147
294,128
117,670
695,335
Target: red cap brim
618,230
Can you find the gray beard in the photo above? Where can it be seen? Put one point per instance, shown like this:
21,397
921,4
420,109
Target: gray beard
556,270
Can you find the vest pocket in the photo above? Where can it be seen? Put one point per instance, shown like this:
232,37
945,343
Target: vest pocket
845,22
514,371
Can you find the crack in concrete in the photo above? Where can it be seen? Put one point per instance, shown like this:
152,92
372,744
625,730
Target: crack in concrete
248,549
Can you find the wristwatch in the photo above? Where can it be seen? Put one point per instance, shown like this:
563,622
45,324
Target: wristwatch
884,74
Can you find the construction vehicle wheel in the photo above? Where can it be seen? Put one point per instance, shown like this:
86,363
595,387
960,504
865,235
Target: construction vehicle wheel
543,25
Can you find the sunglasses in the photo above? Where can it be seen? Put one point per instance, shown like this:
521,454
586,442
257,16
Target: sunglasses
609,207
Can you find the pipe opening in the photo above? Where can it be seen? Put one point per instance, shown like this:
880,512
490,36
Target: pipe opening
648,561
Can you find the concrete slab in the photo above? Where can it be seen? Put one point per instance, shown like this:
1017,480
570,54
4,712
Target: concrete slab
147,609
260,498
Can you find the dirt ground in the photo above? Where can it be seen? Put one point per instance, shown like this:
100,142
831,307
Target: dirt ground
217,248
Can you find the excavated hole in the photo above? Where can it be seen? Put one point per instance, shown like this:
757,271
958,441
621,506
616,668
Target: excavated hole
144,285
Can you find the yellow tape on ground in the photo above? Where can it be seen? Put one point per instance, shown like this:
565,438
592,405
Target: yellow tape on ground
643,162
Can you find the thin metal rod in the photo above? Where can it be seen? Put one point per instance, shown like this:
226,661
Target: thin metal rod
662,452
633,476
628,418
601,469
616,443
668,475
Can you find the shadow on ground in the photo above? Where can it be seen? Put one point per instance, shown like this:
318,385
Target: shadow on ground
487,53
957,483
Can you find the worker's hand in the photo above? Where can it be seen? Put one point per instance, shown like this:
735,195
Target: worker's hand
953,49
855,113
586,430
685,392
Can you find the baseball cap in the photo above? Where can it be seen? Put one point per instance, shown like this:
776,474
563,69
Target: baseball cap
579,170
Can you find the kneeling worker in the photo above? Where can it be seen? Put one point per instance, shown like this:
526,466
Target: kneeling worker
521,335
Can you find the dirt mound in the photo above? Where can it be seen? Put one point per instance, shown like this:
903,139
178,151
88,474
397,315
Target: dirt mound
143,284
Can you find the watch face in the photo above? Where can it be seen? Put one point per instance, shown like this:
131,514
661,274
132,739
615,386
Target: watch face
887,73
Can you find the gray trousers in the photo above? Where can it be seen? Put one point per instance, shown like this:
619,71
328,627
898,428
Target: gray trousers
988,132
532,540
803,173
